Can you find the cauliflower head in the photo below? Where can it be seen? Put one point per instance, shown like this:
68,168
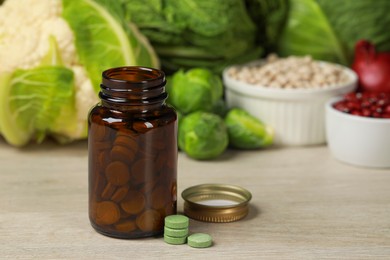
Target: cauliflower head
53,53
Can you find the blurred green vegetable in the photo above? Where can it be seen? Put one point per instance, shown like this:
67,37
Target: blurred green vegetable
247,132
51,67
202,135
220,108
103,40
196,89
179,117
329,29
270,17
196,33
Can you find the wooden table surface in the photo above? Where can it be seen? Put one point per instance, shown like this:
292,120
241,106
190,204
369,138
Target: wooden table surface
306,205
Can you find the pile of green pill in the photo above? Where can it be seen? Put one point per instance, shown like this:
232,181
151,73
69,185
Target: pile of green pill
176,233
176,229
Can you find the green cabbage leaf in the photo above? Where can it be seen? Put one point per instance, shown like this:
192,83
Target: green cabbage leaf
103,41
329,29
39,100
33,101
195,33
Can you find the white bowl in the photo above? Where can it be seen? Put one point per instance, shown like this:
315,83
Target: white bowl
357,140
297,115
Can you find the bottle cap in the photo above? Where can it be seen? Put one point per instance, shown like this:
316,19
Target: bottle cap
216,202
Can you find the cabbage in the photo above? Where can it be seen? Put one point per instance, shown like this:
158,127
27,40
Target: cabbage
270,18
51,68
329,29
195,33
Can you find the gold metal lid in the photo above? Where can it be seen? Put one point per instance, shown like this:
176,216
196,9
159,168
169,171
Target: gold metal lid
216,202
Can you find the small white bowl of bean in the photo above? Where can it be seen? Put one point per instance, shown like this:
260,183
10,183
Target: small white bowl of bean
358,129
288,94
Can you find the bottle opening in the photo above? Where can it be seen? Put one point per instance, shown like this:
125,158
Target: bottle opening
133,86
124,77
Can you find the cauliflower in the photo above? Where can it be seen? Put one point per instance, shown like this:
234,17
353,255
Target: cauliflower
24,39
25,49
53,53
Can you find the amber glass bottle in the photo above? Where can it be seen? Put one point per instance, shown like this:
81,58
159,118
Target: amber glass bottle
132,154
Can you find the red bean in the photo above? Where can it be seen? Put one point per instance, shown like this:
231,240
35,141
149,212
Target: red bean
366,112
387,109
353,105
365,104
357,113
386,116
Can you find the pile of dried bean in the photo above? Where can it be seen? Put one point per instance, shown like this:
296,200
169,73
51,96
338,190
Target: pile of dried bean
290,73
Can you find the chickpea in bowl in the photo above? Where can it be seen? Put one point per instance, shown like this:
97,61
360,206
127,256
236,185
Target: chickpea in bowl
290,73
288,94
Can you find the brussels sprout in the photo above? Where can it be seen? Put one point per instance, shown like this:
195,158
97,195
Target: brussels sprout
203,135
194,90
247,132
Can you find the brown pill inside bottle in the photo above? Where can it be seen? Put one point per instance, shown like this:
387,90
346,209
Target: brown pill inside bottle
126,226
146,150
99,183
158,139
149,220
150,183
139,168
159,197
103,158
120,194
102,145
159,144
117,173
107,213
122,153
169,209
124,214
160,161
133,203
126,141
108,191
100,132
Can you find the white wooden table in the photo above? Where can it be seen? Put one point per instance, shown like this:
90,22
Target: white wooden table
306,205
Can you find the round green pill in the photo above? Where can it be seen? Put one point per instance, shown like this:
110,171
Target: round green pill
175,240
199,240
176,232
176,221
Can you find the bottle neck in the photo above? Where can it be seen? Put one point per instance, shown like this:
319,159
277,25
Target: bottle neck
133,88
